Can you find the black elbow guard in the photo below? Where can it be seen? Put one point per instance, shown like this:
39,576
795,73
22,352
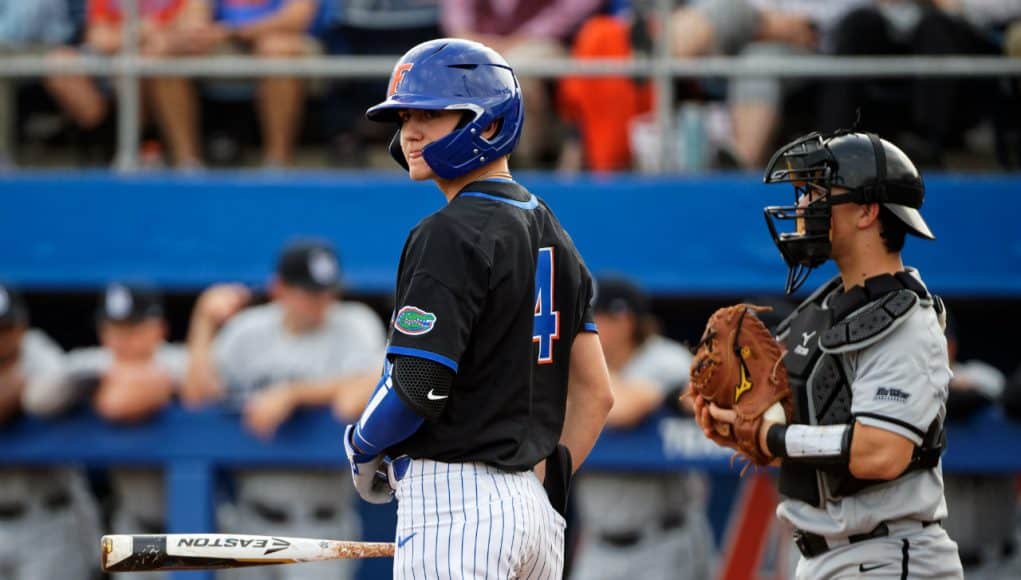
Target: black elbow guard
423,384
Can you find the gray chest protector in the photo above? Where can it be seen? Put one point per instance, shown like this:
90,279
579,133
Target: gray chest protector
815,337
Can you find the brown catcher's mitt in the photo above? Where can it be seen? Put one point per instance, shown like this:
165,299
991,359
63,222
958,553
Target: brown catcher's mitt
739,365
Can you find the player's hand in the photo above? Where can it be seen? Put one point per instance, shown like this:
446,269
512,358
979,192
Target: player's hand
713,430
266,410
729,417
217,304
130,392
363,472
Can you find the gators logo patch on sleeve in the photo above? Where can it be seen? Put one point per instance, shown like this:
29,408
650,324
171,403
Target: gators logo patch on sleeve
413,321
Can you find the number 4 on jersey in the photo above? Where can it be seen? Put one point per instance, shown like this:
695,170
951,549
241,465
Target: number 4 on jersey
546,327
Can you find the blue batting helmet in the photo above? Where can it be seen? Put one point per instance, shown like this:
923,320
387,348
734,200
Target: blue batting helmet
455,74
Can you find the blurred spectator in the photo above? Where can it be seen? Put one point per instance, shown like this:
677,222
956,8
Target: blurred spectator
26,28
649,526
264,28
934,113
600,139
88,102
48,518
367,28
1012,40
522,30
302,349
755,29
982,507
130,377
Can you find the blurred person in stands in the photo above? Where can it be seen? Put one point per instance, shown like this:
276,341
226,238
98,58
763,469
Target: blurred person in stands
755,29
262,28
304,348
982,507
649,526
88,102
133,374
522,30
932,114
370,28
599,135
48,517
26,28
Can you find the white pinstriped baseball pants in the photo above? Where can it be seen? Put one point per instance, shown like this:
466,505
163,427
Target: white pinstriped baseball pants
470,521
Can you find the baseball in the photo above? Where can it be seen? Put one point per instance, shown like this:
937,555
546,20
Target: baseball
775,414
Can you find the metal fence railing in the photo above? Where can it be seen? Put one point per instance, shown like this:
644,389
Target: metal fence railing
129,68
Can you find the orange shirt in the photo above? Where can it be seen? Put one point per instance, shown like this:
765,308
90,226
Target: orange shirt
109,11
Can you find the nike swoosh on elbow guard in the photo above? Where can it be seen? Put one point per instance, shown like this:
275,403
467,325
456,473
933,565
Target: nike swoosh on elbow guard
434,397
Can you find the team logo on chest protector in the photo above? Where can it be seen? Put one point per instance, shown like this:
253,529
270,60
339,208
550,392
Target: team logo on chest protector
413,321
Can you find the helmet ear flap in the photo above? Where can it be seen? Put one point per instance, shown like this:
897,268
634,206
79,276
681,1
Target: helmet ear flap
396,152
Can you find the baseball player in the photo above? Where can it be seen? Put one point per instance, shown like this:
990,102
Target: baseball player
494,385
48,517
303,348
133,374
644,525
860,469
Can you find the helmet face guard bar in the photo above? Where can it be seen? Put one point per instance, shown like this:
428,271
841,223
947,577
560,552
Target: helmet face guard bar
808,165
808,246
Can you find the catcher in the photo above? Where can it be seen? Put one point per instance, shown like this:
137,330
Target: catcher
860,434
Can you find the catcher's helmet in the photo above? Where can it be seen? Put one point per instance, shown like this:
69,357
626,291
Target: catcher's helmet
455,74
872,169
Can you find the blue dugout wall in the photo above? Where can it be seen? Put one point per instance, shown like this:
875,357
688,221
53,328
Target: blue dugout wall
678,236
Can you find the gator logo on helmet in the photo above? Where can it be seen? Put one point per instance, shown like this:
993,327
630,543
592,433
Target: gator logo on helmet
398,76
413,321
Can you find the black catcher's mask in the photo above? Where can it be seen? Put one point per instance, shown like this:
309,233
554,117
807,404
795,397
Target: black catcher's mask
872,169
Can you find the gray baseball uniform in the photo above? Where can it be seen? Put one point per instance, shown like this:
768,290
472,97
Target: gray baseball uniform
983,507
254,351
898,382
138,493
650,526
49,520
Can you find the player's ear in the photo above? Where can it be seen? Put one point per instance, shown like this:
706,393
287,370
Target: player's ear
491,130
868,214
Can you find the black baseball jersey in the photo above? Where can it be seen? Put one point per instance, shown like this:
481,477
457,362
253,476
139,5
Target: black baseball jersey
492,287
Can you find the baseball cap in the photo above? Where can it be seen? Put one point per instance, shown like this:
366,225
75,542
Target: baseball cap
619,295
13,311
121,302
310,265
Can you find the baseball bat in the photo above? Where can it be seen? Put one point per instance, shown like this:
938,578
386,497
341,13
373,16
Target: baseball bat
140,553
